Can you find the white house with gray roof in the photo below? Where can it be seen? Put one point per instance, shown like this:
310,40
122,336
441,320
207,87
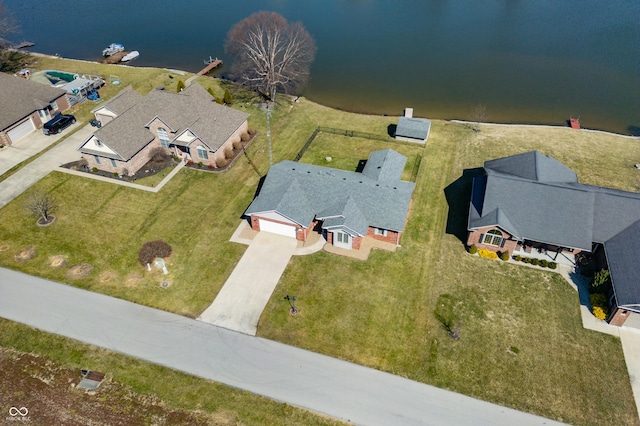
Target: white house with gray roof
532,200
189,124
297,199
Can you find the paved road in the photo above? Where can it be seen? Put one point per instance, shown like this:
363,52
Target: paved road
284,373
247,291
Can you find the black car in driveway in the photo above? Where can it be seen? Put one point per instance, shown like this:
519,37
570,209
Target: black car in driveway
57,123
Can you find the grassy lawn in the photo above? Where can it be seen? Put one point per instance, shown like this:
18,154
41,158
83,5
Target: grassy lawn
209,402
521,341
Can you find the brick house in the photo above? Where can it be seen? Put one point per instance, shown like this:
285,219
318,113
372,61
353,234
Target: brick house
532,200
189,125
26,105
346,207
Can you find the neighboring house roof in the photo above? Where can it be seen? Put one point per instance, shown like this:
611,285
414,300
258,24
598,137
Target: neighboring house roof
20,98
535,197
192,110
347,200
413,128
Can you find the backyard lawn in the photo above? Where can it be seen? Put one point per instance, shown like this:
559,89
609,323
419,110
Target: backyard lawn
520,339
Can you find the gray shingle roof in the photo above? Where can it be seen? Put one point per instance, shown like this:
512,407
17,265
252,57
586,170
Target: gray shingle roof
385,164
535,197
121,102
414,128
193,110
20,97
622,255
333,194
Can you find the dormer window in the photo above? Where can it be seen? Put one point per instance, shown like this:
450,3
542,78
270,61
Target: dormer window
163,135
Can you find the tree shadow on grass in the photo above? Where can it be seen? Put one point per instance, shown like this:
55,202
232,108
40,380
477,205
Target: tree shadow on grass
458,195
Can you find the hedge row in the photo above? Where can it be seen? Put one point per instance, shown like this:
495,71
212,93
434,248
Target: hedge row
537,262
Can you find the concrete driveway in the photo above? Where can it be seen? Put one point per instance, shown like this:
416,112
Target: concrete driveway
244,295
62,153
29,146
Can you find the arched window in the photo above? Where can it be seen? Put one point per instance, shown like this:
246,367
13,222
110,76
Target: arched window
164,137
493,237
202,153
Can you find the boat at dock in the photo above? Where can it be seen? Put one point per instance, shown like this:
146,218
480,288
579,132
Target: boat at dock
113,49
130,56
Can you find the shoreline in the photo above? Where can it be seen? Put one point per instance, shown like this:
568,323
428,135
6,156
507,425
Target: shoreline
452,120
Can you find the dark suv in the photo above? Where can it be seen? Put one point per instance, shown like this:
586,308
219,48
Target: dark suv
57,123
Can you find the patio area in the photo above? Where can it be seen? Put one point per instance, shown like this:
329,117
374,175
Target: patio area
561,257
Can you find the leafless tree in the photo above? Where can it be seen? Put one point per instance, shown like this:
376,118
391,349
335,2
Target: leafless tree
7,25
42,205
270,54
479,115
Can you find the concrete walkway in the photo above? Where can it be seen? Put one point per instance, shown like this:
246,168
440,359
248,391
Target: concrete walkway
630,339
24,178
247,291
283,373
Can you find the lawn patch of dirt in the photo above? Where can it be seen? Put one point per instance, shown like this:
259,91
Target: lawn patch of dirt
4,247
26,253
80,270
48,391
107,276
58,261
133,280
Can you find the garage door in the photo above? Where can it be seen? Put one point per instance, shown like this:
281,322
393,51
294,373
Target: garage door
278,228
22,130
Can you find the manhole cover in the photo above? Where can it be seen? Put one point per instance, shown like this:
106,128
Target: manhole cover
165,284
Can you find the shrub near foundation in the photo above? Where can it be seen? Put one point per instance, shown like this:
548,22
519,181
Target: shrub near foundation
152,249
488,254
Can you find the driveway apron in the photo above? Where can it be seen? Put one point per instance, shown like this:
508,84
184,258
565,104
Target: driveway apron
244,296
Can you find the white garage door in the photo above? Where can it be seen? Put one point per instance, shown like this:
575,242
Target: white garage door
22,130
278,228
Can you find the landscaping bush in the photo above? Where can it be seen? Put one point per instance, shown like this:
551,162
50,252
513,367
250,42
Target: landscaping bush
210,90
237,145
504,256
544,263
251,131
535,262
152,249
552,265
94,170
227,97
517,258
526,259
228,152
222,163
211,166
158,155
599,282
487,254
246,137
180,86
599,305
473,249
200,164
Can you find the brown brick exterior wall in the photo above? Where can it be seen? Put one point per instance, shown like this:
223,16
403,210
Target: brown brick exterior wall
474,238
131,166
301,233
619,317
356,243
392,237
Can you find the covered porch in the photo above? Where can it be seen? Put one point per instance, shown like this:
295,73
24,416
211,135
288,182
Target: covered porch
548,252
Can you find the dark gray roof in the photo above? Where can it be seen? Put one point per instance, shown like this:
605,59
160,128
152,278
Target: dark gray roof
526,196
385,164
20,97
622,256
351,200
193,110
531,165
414,128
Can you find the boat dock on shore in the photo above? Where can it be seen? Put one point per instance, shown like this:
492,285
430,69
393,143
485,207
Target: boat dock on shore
211,64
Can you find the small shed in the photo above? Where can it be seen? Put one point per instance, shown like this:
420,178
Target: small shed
412,129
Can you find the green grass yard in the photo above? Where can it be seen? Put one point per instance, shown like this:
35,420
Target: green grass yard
521,340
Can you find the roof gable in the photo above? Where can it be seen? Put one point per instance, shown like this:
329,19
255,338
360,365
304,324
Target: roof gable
532,166
622,256
20,98
413,128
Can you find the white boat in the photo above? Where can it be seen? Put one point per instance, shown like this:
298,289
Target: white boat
113,48
130,56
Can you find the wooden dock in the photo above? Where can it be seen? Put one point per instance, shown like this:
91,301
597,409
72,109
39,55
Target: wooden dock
211,65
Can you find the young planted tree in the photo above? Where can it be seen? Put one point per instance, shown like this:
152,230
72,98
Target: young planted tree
43,206
270,54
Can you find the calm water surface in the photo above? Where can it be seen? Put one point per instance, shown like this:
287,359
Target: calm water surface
524,61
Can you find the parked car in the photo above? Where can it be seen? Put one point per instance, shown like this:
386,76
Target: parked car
57,123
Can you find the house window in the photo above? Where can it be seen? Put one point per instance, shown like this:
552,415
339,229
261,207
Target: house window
493,237
98,143
113,163
164,137
342,237
380,231
54,105
202,153
96,159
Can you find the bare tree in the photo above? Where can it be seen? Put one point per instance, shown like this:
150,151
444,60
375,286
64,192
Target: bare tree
479,115
7,25
270,53
42,205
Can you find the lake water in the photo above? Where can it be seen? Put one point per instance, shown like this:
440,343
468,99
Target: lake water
524,61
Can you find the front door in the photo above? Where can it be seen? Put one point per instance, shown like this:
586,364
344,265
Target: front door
342,240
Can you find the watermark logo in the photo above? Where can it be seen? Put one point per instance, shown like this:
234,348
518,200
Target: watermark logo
18,414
